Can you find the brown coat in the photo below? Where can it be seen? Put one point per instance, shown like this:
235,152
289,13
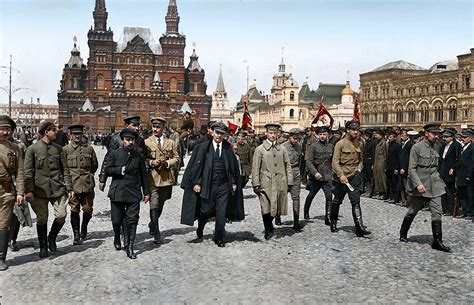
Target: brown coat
168,152
380,161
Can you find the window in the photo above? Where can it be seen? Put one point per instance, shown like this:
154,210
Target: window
411,114
138,82
292,96
173,84
425,115
147,82
452,113
196,87
399,115
385,115
438,112
292,113
100,82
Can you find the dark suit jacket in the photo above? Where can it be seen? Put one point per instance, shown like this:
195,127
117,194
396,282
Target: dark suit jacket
61,138
450,161
127,187
465,167
405,155
393,156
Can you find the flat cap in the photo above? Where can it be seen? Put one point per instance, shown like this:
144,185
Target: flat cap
322,129
272,126
45,126
12,124
76,128
448,133
295,132
128,133
5,121
243,133
378,131
467,133
352,124
132,120
336,131
219,127
209,125
157,121
432,127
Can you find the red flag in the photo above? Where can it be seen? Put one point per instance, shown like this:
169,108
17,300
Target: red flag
356,113
246,120
232,127
323,117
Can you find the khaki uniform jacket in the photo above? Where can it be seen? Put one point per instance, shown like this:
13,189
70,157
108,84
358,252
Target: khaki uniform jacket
423,169
271,170
167,152
245,154
348,158
82,163
46,172
11,164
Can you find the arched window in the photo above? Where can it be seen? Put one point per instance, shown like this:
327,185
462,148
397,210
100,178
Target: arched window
384,114
292,95
425,115
147,82
438,112
100,82
399,114
452,111
411,114
138,82
129,82
173,84
292,113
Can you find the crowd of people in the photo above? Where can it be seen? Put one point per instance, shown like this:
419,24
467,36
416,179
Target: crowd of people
433,168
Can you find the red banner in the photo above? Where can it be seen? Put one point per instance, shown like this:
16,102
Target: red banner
356,113
246,120
232,127
323,117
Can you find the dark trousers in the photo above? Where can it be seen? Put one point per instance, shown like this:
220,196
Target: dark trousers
314,186
403,190
367,175
466,199
218,200
341,190
447,201
128,211
392,183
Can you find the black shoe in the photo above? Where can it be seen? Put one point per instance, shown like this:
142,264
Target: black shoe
86,217
268,234
200,232
132,232
438,245
155,226
117,243
333,226
277,220
14,246
403,239
306,214
297,227
219,243
327,222
151,228
361,231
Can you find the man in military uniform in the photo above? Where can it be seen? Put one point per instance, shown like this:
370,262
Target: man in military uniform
162,158
319,168
244,151
47,180
272,178
336,136
425,186
129,186
82,163
11,185
347,165
294,150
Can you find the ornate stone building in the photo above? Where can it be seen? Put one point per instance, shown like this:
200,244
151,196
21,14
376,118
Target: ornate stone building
32,113
403,94
220,110
133,76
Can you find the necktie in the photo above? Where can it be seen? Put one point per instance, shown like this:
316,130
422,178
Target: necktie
217,150
159,142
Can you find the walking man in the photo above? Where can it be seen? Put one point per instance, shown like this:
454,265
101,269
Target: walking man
82,163
347,166
465,175
47,180
319,168
425,185
272,178
162,158
450,152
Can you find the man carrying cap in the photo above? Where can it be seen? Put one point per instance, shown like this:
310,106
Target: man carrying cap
295,151
425,186
11,191
126,166
465,174
319,168
347,165
449,156
47,180
162,158
272,177
82,163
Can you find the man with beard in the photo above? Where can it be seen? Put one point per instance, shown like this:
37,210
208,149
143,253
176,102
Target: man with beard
82,163
425,186
272,178
294,150
47,180
393,166
450,152
126,166
11,191
319,168
380,159
347,165
162,157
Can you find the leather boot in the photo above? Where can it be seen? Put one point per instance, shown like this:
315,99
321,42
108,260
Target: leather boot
117,243
334,217
278,220
132,232
296,216
14,229
4,238
53,234
327,213
360,229
125,234
42,231
86,217
438,237
75,220
307,205
407,220
155,224
268,224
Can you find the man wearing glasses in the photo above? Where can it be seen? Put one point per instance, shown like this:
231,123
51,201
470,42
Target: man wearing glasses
425,185
347,166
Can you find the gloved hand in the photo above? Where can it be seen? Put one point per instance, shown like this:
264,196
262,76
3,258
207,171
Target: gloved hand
289,188
257,190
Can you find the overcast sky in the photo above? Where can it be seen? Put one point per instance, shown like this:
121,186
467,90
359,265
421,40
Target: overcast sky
322,40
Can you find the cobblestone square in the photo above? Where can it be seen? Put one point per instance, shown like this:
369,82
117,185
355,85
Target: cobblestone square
315,266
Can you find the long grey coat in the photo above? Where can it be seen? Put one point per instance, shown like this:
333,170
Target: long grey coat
380,161
423,169
271,170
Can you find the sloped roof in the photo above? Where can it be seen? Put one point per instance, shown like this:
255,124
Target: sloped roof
332,93
186,108
194,64
130,32
87,106
220,83
75,61
448,64
399,64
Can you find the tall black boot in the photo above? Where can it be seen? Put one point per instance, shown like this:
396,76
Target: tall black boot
117,231
438,237
277,220
75,221
407,220
53,234
268,224
334,217
201,223
307,205
360,229
296,216
14,230
327,213
4,238
42,231
132,232
125,233
86,217
155,224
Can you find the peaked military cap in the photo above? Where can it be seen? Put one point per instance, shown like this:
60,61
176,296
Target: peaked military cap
352,124
432,127
336,131
322,129
272,126
76,128
295,132
467,133
219,127
128,133
209,125
448,133
379,131
413,133
158,121
5,121
242,132
132,120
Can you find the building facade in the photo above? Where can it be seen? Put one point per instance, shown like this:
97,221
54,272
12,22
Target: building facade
32,114
133,76
220,110
406,95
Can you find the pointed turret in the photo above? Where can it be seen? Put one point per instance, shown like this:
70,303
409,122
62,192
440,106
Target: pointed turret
100,16
281,67
194,64
172,18
75,61
220,82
